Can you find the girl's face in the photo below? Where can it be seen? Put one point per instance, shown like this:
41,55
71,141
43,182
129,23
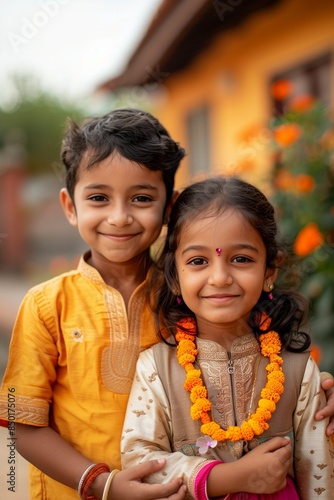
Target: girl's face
221,266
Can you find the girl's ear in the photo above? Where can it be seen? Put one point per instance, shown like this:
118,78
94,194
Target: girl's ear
68,207
170,205
269,279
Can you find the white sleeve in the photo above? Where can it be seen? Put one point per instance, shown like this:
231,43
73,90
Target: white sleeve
147,428
313,455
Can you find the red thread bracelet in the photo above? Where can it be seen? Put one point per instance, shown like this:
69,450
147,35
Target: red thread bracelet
89,478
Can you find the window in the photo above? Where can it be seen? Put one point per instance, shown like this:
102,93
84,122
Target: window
198,132
312,77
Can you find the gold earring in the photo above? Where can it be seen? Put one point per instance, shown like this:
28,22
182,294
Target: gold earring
270,286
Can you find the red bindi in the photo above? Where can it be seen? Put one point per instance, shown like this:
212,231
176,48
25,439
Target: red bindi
219,251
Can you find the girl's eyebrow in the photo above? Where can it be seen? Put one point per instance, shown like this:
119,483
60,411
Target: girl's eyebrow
238,246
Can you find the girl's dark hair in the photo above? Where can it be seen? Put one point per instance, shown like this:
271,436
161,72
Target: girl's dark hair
134,134
209,198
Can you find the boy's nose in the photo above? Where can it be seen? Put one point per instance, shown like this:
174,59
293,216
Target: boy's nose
119,218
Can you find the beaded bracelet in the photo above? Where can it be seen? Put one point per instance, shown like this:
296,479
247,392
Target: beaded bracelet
108,483
89,477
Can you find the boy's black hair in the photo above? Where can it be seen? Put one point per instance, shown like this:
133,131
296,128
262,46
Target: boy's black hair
209,198
134,134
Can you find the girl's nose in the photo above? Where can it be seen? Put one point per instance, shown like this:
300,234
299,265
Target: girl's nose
220,274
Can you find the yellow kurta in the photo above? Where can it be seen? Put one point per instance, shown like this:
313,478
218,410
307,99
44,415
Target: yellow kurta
71,363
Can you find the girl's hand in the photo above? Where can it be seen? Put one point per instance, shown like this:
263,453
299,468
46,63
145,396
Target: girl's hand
268,465
262,470
327,383
128,485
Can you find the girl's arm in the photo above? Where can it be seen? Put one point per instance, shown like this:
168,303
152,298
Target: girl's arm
50,453
313,449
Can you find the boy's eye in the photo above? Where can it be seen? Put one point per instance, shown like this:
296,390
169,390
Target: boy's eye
98,197
197,261
142,198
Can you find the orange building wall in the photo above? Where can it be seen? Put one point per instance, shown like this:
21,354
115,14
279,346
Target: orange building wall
233,75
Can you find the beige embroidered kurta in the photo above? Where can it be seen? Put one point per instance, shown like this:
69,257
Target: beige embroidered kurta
158,418
71,364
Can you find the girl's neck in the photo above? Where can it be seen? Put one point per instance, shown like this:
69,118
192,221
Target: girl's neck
223,333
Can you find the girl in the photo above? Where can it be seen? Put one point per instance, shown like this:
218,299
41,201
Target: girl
228,399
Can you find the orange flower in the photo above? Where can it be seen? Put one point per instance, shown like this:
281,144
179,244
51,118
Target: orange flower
201,405
281,89
316,353
284,180
304,183
308,240
287,134
302,103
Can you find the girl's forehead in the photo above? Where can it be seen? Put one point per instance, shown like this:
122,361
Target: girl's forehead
211,224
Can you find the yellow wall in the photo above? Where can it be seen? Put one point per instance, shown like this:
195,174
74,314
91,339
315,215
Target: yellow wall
233,75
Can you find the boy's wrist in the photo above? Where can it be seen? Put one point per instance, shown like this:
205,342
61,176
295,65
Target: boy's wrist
97,486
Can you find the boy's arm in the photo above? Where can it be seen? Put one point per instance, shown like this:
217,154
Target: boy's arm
50,453
313,449
327,384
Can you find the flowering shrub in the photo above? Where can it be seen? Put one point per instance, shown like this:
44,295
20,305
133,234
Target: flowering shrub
304,197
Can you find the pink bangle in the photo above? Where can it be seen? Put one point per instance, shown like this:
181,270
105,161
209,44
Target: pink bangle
201,479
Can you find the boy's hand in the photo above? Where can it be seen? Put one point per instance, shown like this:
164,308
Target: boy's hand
327,383
128,485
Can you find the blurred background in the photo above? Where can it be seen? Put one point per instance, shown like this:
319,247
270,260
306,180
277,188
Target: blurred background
246,86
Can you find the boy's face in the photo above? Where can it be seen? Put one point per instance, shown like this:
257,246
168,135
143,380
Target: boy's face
119,209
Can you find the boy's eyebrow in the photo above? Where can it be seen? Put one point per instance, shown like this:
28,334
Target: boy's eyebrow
239,246
137,186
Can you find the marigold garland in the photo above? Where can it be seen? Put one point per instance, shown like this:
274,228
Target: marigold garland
256,424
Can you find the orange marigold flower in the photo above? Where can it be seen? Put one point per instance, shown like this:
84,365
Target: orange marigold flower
308,239
287,134
281,89
233,433
304,183
284,180
192,379
256,426
270,343
302,102
200,406
199,391
266,403
270,395
247,431
316,353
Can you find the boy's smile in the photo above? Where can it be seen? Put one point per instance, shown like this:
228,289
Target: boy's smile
119,210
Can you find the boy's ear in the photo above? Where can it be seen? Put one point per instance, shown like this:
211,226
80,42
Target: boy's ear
170,205
68,207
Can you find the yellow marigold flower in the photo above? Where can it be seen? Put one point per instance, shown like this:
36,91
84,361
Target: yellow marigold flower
267,404
256,427
200,406
199,391
247,431
234,433
270,395
308,240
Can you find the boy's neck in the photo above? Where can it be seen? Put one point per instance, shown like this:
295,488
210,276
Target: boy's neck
124,277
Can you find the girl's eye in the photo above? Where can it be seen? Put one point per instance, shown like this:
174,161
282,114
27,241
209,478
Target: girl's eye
98,197
241,259
142,198
198,261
